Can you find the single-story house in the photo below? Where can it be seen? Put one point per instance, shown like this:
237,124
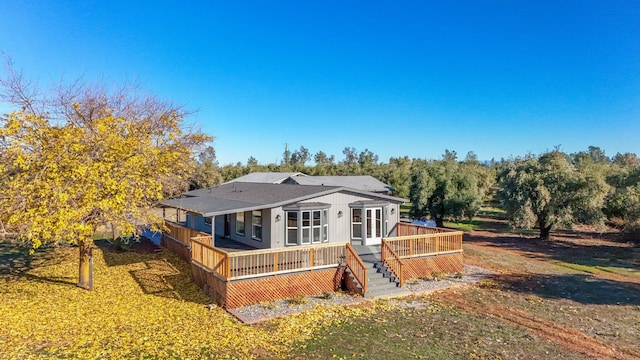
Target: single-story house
270,216
249,242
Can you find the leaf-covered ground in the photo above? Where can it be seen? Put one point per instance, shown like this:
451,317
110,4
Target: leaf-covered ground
143,306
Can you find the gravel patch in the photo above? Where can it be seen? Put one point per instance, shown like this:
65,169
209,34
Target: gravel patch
471,274
252,314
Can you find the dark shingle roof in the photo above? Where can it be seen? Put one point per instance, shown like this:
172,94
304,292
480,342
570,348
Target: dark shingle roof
239,196
259,193
363,182
266,177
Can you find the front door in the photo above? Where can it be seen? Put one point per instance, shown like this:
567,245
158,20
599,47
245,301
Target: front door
374,226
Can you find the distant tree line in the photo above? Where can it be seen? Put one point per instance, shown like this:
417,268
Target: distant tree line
536,191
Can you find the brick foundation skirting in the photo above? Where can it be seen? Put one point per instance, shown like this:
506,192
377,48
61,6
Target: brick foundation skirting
427,266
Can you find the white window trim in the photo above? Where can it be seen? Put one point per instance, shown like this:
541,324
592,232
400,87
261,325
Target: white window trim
324,227
287,228
358,223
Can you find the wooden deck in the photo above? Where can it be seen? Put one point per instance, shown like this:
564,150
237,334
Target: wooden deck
413,242
223,272
257,263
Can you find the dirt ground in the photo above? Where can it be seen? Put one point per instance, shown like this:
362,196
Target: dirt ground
580,290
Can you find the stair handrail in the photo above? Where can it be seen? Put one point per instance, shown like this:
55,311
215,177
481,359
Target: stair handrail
392,261
356,266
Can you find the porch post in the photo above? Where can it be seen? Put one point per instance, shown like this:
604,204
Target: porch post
213,231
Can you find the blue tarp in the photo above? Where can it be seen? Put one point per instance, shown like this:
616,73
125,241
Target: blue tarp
153,236
431,223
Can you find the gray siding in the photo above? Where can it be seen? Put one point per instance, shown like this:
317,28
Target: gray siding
196,221
247,239
219,220
273,231
339,226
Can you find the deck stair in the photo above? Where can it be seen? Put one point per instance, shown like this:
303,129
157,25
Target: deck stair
380,281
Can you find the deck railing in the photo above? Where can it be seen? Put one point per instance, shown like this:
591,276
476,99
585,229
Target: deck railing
393,261
183,234
424,241
256,263
211,258
356,266
404,229
417,241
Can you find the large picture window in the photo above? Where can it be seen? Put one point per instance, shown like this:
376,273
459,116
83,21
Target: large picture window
256,225
306,227
240,223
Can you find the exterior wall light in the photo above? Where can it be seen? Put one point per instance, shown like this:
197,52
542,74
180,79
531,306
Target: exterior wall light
278,217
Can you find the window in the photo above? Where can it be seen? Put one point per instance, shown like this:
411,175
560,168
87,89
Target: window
304,227
316,226
356,223
240,223
325,226
256,225
292,228
369,223
207,221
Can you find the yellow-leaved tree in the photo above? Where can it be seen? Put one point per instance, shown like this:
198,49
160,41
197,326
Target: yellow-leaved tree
84,157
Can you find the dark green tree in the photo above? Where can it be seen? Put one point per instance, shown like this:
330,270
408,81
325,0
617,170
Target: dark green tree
206,172
548,191
444,189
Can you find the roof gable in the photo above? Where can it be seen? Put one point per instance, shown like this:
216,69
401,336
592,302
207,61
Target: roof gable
362,182
266,177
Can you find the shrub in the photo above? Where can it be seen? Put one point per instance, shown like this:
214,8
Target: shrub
298,300
326,295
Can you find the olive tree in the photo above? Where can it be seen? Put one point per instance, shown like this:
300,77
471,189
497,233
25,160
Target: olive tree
444,189
549,190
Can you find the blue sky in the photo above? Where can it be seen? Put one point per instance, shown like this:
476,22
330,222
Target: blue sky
500,78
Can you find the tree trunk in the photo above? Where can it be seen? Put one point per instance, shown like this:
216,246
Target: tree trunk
115,234
545,229
545,232
85,274
439,222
